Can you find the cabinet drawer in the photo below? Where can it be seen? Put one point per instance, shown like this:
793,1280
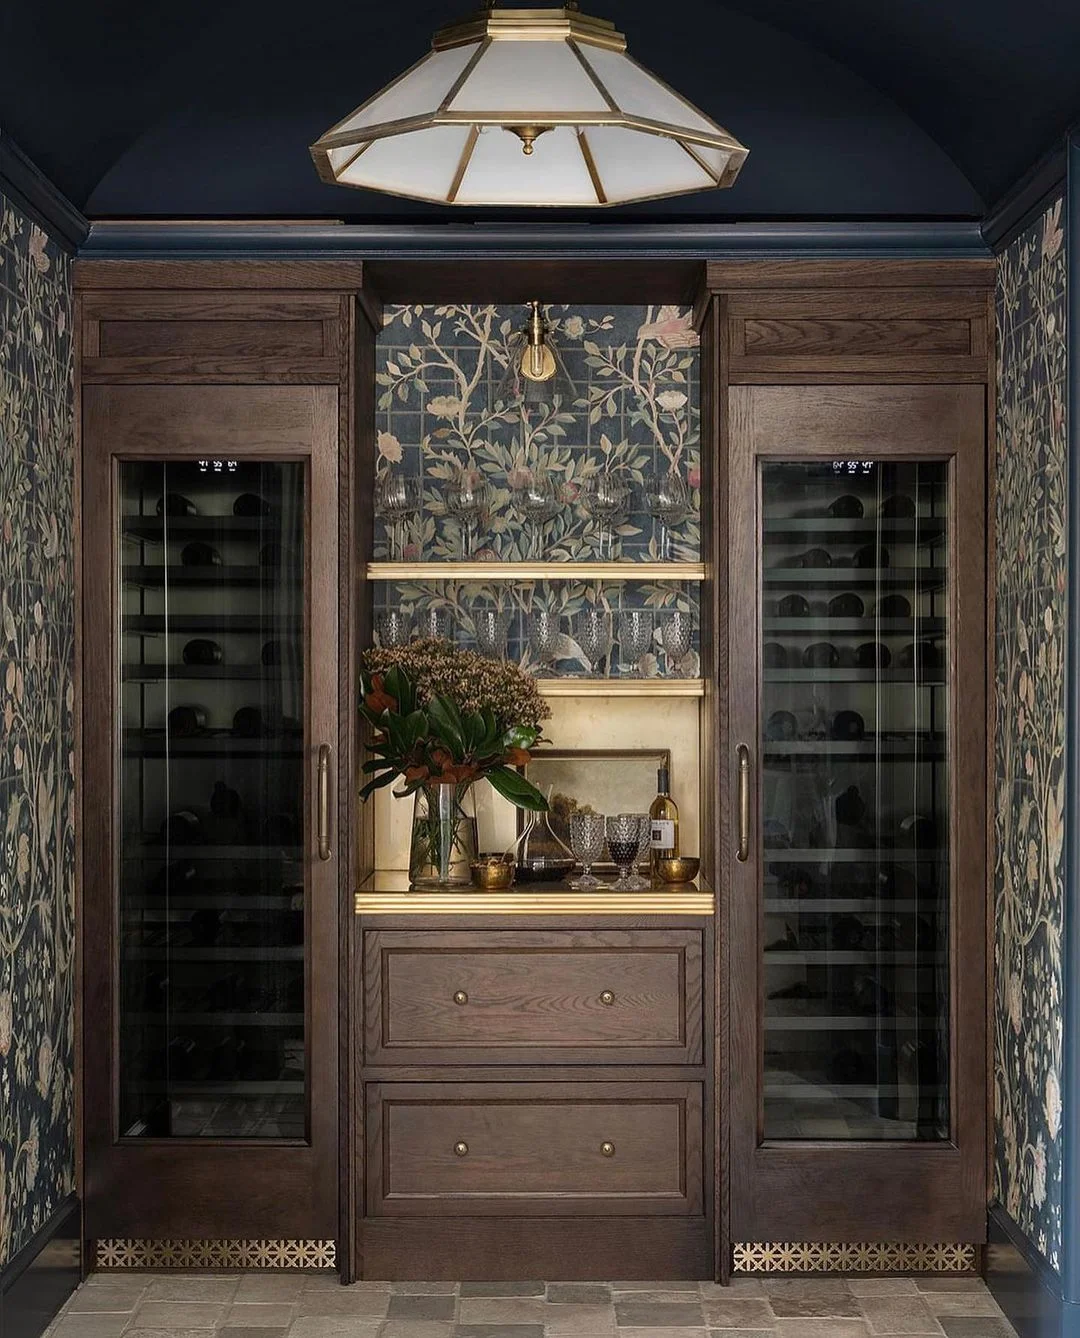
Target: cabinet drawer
541,1149
563,996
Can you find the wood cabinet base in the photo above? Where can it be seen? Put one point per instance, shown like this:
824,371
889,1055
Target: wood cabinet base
476,1249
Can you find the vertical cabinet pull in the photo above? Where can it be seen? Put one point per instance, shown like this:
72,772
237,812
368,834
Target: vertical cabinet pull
743,852
324,801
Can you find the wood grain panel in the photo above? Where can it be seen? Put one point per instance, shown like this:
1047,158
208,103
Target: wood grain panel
191,338
605,996
775,337
206,369
534,1148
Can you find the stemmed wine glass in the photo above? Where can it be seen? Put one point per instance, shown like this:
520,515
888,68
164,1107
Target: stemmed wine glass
623,839
466,498
675,628
544,636
644,846
635,638
396,498
537,502
587,843
592,631
667,500
492,627
605,497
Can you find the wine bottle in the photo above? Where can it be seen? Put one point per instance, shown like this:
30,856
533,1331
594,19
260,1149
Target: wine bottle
186,722
199,554
846,507
251,504
202,651
664,817
173,504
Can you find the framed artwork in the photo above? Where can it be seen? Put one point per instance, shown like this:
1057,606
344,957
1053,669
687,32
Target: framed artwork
618,780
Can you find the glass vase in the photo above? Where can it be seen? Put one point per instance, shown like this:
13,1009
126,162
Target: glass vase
443,841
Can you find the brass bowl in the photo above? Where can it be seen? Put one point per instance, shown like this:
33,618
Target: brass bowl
684,869
492,873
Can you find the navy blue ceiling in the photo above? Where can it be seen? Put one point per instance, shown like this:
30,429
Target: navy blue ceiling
851,108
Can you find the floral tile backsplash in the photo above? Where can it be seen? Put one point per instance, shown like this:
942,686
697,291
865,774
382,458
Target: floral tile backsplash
1028,877
37,757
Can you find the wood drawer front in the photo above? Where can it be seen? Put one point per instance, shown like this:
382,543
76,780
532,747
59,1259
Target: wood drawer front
461,1149
439,997
886,331
219,336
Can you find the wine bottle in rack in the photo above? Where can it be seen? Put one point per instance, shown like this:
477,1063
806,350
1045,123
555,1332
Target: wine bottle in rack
199,554
186,722
664,817
251,504
202,651
174,504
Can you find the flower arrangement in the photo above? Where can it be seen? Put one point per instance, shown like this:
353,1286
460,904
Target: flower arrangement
443,716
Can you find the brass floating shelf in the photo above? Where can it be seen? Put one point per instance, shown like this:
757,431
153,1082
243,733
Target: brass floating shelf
621,687
386,892
517,572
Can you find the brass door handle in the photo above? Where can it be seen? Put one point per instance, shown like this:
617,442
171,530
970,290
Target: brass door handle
461,1149
324,801
607,1149
743,852
607,997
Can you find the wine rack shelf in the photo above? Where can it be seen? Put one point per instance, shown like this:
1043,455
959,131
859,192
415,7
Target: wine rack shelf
520,572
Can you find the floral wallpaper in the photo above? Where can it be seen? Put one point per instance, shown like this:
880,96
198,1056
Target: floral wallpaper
37,759
1028,876
633,413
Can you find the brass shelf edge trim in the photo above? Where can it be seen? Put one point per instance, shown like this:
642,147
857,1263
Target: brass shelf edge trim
621,687
271,1254
868,1257
536,571
522,903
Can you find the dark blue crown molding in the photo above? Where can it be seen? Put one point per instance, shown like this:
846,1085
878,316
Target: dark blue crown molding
34,194
1024,202
341,241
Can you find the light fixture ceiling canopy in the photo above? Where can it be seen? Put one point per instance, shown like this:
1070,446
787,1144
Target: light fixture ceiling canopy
529,107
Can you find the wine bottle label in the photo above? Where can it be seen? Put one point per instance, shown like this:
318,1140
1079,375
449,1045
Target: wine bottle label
663,834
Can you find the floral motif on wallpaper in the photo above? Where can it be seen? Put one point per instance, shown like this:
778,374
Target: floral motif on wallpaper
37,760
1030,737
635,414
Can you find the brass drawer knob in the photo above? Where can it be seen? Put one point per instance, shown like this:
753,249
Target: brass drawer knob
607,998
460,997
607,1149
461,1149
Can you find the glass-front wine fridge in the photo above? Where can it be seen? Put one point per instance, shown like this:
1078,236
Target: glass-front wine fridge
211,734
857,709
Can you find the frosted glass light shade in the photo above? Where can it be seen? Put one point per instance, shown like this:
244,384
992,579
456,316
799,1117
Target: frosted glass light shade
529,107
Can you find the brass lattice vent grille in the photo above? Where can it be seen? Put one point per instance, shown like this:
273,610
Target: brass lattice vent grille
818,1257
215,1254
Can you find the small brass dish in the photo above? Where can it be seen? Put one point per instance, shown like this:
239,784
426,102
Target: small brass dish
684,869
492,873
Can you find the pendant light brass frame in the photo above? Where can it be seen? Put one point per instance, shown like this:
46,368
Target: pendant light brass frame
567,27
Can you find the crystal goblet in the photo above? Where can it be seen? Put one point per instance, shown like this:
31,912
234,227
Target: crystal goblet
466,498
667,500
644,851
544,636
675,630
623,839
397,497
587,832
492,628
394,628
537,503
635,638
592,631
605,497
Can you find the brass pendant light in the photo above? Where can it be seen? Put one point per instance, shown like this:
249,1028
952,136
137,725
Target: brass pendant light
535,375
539,107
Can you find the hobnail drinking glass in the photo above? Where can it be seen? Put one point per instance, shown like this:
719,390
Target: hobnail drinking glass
667,500
623,839
592,631
635,638
544,636
394,628
492,628
466,498
587,831
435,622
397,497
605,497
644,852
675,631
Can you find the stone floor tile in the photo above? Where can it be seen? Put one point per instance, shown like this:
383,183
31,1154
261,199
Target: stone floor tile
502,1310
424,1288
265,1314
821,1328
741,1333
738,1312
662,1332
473,1289
422,1307
976,1326
87,1300
179,1315
823,1288
200,1333
950,1282
328,1280
883,1286
332,1326
270,1287
736,1287
109,1325
898,1314
669,1286
817,1307
577,1293
344,1301
961,1303
658,1296
416,1328
499,1331
190,1287
561,1321
245,1332
664,1314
